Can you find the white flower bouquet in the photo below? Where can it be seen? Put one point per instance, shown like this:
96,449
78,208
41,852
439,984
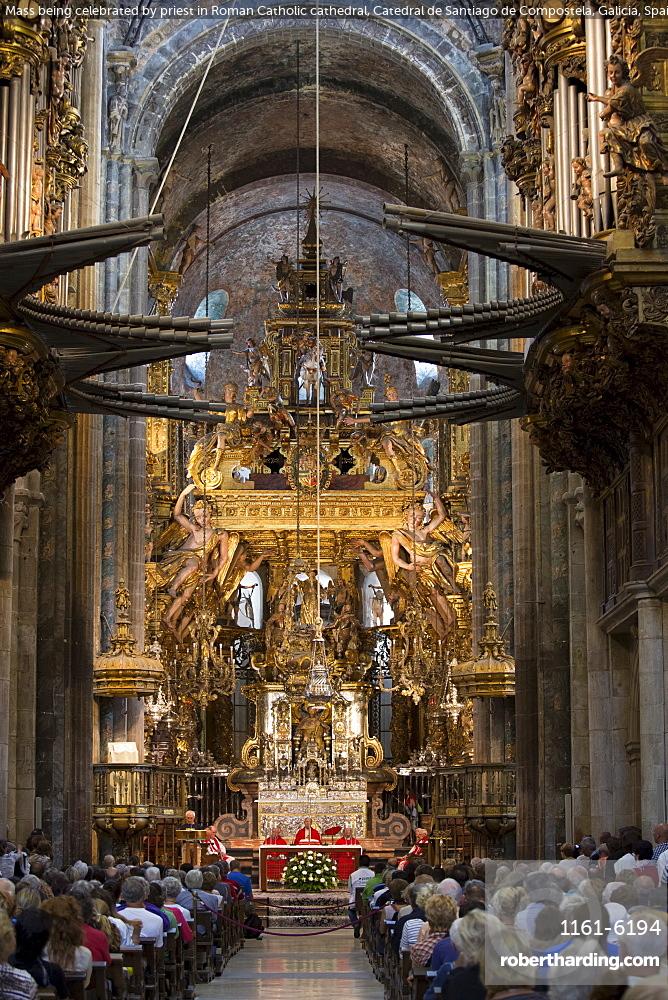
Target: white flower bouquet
310,871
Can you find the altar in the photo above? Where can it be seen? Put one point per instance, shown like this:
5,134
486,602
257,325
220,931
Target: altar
332,802
274,858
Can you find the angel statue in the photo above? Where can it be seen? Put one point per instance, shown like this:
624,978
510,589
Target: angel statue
629,136
399,442
257,364
197,560
206,458
416,549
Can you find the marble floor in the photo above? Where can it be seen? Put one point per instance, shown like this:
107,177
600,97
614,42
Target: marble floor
297,968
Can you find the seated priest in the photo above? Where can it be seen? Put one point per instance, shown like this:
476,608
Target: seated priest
214,844
417,850
347,836
308,834
275,836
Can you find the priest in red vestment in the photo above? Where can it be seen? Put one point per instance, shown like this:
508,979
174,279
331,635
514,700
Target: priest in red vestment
347,837
308,834
275,836
417,850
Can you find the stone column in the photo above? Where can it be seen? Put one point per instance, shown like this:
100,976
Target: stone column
601,777
651,669
85,451
28,500
53,646
555,673
526,644
6,573
579,722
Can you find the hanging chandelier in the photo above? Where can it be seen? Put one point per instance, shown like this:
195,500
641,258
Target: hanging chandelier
414,657
211,668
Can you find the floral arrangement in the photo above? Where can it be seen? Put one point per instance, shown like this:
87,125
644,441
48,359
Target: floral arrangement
310,871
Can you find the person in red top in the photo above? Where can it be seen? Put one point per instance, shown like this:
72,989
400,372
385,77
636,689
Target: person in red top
186,933
97,943
308,834
347,837
275,836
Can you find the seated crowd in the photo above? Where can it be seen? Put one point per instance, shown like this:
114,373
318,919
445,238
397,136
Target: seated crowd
425,928
55,925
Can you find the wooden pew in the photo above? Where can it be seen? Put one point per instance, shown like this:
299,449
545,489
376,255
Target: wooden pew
204,944
117,978
149,953
171,987
75,985
97,988
133,963
422,979
189,966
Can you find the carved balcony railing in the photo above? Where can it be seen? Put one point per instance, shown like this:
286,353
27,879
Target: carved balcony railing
131,797
474,791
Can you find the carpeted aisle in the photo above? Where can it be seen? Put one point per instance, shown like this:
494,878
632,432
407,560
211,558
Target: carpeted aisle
297,968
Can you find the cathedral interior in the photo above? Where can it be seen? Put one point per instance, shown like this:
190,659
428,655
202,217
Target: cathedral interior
333,368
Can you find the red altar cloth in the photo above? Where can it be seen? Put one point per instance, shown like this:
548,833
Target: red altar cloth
274,858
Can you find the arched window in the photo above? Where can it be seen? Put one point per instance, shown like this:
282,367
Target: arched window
374,601
196,363
424,370
249,613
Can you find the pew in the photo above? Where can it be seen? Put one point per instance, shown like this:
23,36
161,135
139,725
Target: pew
117,978
75,985
133,963
97,987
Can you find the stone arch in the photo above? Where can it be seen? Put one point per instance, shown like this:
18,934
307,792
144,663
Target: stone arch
175,57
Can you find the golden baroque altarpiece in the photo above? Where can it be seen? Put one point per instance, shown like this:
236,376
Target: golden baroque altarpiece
235,509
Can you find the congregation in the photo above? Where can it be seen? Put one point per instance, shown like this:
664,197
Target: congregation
121,929
425,928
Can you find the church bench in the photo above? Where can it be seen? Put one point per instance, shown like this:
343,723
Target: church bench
75,985
117,978
133,964
204,945
97,988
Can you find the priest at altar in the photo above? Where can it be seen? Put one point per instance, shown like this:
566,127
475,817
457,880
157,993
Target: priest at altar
275,836
308,834
346,837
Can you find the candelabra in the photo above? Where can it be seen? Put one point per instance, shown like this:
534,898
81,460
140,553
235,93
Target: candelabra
415,657
210,668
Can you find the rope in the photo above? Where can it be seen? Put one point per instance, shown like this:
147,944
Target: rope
297,441
214,53
326,930
317,292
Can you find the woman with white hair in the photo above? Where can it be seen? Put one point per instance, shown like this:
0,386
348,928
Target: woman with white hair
465,981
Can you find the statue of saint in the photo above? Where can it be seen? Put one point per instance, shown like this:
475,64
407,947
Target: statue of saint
629,136
311,370
308,591
311,729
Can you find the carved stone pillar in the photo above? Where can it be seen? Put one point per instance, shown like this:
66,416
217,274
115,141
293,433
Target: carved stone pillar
28,500
6,573
526,646
601,775
651,669
579,721
85,450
